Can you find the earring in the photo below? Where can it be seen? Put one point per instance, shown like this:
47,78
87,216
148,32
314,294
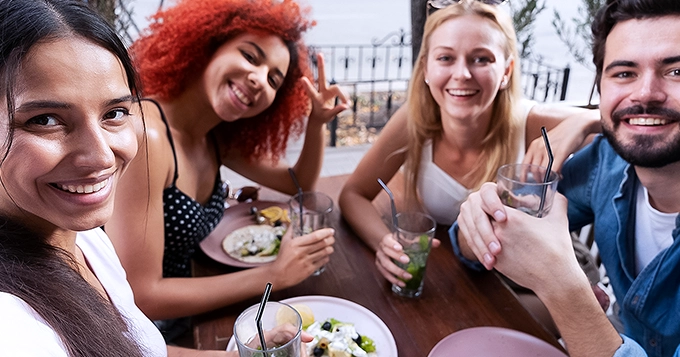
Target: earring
427,81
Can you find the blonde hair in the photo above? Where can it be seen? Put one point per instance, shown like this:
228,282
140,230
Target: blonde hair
424,117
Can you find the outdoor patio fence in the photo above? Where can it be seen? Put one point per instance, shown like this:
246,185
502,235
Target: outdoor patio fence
377,76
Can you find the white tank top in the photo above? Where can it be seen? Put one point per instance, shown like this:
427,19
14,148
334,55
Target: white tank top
440,193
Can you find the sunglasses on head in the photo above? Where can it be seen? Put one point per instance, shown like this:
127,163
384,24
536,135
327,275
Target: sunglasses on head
243,194
440,4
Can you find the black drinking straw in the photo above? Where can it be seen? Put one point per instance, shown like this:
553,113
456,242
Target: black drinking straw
547,171
258,317
394,208
299,189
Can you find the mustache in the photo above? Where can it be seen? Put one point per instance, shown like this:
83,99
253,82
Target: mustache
649,110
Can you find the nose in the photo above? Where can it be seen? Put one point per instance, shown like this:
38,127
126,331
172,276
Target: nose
461,70
649,90
257,78
93,147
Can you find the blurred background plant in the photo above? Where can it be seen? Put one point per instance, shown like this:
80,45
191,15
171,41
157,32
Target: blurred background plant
577,35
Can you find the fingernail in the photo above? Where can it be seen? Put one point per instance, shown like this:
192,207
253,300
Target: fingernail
407,276
494,247
396,247
487,258
403,259
332,231
498,215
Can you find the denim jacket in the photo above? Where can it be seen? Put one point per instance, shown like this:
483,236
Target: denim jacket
601,188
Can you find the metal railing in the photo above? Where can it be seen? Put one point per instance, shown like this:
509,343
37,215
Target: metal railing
378,73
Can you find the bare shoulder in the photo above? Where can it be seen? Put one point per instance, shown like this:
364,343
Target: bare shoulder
155,152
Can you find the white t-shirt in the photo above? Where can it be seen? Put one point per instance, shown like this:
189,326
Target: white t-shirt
653,230
24,333
441,194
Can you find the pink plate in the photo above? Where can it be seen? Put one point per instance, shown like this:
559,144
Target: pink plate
493,342
235,217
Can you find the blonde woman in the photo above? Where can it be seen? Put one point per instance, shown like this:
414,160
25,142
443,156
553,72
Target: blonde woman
464,118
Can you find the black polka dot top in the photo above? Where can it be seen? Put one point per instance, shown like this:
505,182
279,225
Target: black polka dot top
187,222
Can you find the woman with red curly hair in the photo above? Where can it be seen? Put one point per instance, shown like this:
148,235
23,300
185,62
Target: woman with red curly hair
226,83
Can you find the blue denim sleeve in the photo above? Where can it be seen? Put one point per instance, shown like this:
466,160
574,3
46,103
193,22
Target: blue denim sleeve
630,348
453,234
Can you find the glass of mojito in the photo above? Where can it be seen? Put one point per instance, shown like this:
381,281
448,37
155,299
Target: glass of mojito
414,231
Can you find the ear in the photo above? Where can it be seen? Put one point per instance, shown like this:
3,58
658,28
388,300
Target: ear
505,81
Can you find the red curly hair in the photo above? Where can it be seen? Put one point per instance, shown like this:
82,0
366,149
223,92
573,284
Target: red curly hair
180,42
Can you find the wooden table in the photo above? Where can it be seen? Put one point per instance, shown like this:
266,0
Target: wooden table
454,297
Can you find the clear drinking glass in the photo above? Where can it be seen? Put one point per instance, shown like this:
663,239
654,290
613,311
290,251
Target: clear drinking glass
414,232
282,325
309,211
522,186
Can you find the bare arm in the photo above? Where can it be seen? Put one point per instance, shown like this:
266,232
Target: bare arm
137,232
382,160
569,129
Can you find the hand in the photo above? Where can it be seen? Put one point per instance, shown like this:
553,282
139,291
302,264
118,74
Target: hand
537,252
324,108
565,138
280,335
301,256
475,223
390,250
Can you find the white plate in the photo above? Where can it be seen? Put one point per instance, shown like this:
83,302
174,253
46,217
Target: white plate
366,322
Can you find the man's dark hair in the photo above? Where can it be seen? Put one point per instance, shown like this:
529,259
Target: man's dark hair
615,11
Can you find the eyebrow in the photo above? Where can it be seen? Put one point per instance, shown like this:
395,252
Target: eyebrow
620,64
665,61
50,104
671,60
261,53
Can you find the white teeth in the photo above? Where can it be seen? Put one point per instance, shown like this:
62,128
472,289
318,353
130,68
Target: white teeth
240,95
85,188
647,121
461,92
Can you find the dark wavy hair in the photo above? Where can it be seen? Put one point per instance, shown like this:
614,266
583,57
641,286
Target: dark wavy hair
615,11
180,42
44,276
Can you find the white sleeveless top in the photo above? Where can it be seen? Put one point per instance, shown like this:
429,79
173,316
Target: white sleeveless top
441,194
25,333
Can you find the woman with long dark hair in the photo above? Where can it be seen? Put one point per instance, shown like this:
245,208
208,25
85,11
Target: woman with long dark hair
70,124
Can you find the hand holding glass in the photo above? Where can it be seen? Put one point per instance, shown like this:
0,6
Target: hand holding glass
414,232
309,211
282,325
522,186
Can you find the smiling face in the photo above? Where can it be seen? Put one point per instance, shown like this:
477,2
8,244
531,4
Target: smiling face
640,91
466,66
73,136
244,75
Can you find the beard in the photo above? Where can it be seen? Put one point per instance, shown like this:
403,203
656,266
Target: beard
645,150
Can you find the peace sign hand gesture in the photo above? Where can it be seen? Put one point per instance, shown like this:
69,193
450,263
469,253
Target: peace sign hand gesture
323,100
